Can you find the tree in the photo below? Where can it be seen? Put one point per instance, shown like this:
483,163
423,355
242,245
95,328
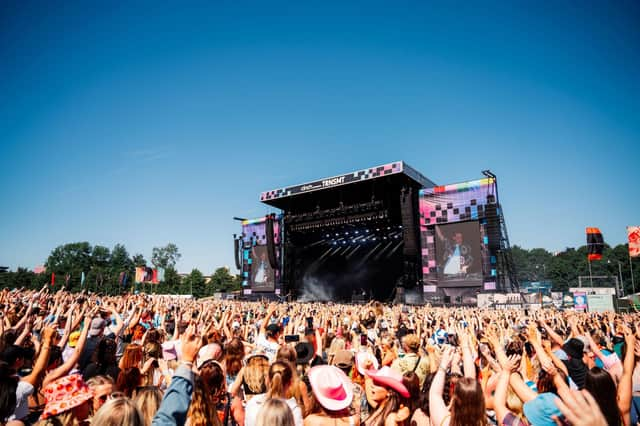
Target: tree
222,280
165,257
194,284
139,260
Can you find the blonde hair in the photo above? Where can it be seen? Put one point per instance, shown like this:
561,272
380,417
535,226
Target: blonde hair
118,412
148,401
68,418
275,412
254,373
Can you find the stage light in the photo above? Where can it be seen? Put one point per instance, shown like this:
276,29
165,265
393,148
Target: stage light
385,237
377,229
373,239
346,233
367,231
337,235
357,232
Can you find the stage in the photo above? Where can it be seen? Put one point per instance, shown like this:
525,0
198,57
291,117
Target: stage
366,234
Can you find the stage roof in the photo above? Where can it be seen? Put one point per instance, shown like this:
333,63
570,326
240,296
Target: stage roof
278,197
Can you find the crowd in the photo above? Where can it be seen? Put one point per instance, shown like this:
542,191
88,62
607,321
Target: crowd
73,359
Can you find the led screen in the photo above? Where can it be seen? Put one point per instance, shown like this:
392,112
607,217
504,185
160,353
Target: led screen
459,254
262,274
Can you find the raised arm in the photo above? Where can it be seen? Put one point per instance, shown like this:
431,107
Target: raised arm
437,408
73,359
43,356
626,381
500,396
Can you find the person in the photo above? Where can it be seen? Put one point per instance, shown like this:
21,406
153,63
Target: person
210,403
251,378
269,336
279,381
118,412
68,401
333,394
412,361
148,399
388,392
275,412
175,404
457,256
102,388
467,406
103,362
8,387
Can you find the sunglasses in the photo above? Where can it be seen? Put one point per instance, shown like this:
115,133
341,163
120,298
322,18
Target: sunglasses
112,395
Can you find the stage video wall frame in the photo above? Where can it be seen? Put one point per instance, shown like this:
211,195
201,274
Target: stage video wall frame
449,216
258,276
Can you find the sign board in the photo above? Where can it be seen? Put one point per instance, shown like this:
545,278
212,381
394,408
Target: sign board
600,302
580,301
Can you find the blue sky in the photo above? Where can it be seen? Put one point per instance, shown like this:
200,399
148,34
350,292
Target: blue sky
156,122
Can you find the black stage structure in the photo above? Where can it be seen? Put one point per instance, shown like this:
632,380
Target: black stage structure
352,237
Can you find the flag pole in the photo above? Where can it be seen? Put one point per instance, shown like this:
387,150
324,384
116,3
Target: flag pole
633,284
590,277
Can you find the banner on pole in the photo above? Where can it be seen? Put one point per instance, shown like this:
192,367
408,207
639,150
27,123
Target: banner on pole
595,244
633,233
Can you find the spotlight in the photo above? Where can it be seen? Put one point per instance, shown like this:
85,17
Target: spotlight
357,232
346,233
327,235
367,231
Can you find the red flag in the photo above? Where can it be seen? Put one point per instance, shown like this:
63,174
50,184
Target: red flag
53,279
633,233
154,279
595,244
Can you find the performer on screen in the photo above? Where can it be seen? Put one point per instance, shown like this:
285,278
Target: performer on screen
261,276
457,255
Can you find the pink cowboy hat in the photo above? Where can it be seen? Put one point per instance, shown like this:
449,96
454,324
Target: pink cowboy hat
64,394
390,378
364,358
331,387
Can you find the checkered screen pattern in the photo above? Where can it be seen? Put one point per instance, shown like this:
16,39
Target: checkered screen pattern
357,176
449,204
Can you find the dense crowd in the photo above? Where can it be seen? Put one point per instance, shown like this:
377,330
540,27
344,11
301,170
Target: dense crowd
72,359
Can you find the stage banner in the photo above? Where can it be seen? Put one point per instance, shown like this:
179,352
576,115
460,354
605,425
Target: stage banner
580,301
633,233
140,272
595,244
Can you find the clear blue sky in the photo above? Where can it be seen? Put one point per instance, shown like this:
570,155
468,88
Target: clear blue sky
156,122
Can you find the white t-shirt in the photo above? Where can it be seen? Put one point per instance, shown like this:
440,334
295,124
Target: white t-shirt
255,403
23,391
270,348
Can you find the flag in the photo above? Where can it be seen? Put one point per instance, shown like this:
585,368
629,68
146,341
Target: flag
82,279
139,274
121,278
53,279
148,275
633,233
160,275
124,280
39,269
595,244
66,279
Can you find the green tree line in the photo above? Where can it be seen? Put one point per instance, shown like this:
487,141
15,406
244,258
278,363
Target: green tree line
103,266
563,268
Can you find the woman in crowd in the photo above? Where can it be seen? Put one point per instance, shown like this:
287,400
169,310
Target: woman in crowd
389,394
251,378
279,381
68,402
118,412
275,412
332,397
148,399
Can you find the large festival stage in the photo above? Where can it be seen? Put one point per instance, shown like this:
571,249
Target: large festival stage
384,233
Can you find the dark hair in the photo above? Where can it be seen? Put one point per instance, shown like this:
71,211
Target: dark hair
129,380
600,384
233,355
8,386
467,404
412,382
423,401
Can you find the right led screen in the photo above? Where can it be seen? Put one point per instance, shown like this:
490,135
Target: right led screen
459,254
